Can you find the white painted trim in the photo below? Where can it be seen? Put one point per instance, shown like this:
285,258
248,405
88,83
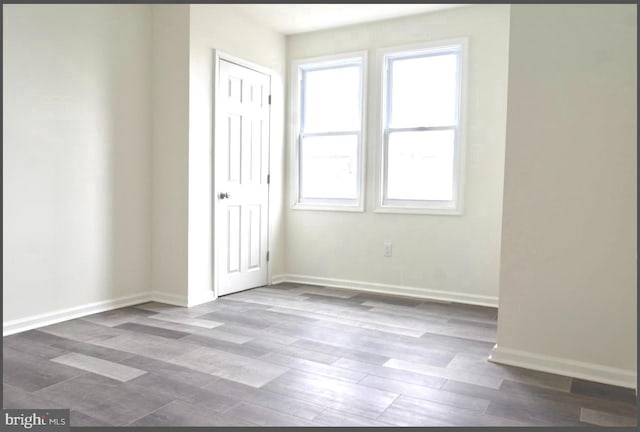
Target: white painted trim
54,317
219,55
294,131
562,366
201,297
278,279
172,299
407,291
328,207
455,207
222,55
418,210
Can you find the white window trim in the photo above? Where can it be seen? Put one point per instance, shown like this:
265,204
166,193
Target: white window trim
294,117
408,206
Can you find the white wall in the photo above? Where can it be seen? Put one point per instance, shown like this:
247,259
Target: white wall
76,152
170,158
450,257
219,27
569,249
105,192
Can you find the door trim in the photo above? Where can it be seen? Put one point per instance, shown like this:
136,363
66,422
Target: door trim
219,55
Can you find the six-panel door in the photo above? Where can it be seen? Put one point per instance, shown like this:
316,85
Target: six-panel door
242,165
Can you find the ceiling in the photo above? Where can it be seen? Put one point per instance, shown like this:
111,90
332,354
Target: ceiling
299,18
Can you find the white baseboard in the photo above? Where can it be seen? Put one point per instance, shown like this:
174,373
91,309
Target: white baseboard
278,279
561,366
423,293
172,299
45,319
42,320
200,297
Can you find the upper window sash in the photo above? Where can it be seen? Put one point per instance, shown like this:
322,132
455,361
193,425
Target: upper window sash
389,59
305,128
314,116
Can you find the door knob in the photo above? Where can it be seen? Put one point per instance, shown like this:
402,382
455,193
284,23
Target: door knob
224,195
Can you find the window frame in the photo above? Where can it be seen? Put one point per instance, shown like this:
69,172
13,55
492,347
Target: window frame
454,206
296,133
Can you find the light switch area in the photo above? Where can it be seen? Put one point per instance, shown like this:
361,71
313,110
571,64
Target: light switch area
387,249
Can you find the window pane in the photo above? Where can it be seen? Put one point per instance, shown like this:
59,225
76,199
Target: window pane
329,167
423,91
420,165
332,99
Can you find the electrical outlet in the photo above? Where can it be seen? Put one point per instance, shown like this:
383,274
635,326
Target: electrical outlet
387,249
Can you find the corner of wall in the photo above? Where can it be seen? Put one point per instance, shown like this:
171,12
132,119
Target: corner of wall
169,166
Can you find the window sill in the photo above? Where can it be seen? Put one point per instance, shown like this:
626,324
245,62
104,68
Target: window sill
328,207
447,211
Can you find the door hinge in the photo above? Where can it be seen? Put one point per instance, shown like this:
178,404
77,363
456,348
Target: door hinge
269,99
268,178
267,256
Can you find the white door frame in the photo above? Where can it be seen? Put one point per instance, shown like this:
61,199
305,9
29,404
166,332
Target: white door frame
218,56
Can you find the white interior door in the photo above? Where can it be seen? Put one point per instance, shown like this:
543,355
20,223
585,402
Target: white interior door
241,180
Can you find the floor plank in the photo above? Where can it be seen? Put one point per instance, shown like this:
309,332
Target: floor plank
176,389
43,350
105,399
340,351
407,411
480,364
275,401
182,414
31,373
602,418
303,353
245,370
98,366
82,330
332,417
16,398
179,373
230,347
426,393
603,391
196,322
116,317
348,397
314,367
263,416
148,345
454,374
157,331
391,373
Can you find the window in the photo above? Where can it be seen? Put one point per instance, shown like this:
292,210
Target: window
421,151
328,124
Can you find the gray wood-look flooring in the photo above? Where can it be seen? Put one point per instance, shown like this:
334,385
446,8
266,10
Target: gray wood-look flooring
294,355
